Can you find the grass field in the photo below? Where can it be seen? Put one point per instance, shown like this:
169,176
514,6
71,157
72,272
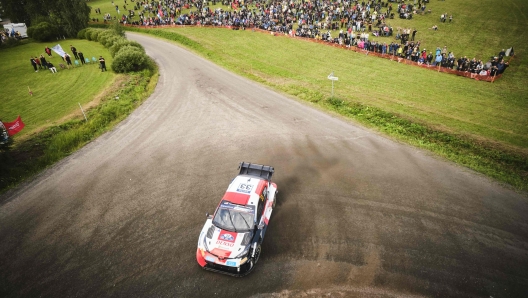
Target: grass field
55,96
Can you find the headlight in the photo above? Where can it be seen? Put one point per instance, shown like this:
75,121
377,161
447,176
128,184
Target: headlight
244,252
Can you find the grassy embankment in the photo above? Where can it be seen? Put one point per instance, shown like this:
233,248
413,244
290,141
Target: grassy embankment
54,123
479,125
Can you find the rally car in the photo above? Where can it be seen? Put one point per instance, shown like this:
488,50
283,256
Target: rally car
230,241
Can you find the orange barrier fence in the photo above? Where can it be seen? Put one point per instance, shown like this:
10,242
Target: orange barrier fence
351,48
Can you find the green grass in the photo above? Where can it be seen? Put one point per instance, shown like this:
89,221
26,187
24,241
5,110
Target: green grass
43,149
55,96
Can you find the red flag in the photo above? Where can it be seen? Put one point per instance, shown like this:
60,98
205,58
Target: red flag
15,126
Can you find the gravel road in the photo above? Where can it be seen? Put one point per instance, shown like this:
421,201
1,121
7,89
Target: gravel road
358,215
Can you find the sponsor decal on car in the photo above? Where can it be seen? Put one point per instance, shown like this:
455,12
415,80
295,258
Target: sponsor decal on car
224,243
227,237
228,205
231,263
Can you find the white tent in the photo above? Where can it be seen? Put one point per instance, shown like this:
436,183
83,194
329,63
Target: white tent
14,27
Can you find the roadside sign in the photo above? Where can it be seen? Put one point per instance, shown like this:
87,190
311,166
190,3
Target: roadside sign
332,78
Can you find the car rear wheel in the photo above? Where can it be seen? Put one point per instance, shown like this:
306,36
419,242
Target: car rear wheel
275,199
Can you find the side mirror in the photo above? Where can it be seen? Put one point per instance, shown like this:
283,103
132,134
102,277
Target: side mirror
261,226
208,215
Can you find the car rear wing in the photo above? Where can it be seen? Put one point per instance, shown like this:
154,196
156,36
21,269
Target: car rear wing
253,169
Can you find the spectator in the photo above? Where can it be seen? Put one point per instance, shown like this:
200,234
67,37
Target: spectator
501,67
102,63
48,51
52,68
38,63
74,51
502,54
81,57
43,61
33,63
67,58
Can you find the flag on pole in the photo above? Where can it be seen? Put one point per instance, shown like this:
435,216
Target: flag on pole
15,126
58,49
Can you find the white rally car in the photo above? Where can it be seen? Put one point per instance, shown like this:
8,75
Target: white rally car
230,241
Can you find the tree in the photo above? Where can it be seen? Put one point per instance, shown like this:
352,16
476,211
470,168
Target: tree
16,11
68,16
71,15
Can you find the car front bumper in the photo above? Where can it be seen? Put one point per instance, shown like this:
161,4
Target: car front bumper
240,271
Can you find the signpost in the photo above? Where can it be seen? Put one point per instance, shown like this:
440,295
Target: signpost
332,78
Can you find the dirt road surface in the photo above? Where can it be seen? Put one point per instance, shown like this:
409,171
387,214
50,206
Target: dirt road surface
358,215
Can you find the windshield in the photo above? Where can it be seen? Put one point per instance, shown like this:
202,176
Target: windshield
234,218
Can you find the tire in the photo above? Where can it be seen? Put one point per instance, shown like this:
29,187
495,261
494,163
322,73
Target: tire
275,199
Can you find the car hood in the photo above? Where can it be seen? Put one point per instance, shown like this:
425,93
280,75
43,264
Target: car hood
226,244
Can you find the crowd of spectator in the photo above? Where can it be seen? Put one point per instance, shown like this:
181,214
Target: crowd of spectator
356,20
6,34
44,62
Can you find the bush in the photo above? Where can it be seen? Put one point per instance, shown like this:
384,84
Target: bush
88,33
108,37
123,42
110,41
81,34
43,31
118,29
128,59
94,35
103,36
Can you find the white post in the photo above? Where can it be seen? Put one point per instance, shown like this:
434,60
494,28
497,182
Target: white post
86,119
